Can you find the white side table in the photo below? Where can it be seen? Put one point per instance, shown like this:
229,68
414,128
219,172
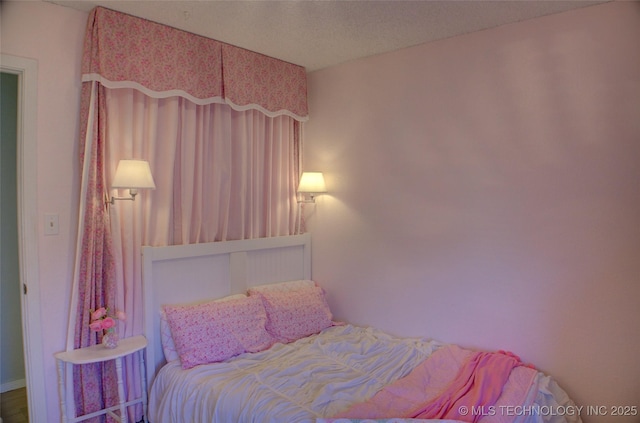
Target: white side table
96,354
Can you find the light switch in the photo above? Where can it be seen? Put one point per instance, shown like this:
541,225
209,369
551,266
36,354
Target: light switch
51,224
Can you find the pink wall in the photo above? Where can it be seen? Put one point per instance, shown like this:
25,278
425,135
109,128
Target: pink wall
53,36
484,190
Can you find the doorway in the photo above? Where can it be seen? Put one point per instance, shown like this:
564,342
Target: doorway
25,74
12,373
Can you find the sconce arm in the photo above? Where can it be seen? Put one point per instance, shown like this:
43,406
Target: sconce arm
132,197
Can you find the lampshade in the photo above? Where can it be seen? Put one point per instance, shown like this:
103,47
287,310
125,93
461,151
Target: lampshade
133,174
312,182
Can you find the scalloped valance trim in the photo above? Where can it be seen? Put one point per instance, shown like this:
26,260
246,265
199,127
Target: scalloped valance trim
149,92
180,93
276,113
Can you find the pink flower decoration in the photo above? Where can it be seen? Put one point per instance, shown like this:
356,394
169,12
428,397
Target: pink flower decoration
99,313
96,325
108,322
100,319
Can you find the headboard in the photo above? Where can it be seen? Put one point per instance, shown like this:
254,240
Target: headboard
197,272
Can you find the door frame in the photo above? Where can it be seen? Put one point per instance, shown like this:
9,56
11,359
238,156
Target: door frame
27,71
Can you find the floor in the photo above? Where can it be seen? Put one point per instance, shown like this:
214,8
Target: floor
13,406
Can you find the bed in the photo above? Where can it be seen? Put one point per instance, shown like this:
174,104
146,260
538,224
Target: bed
239,332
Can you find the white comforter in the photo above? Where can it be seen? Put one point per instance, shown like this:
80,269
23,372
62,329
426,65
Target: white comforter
312,378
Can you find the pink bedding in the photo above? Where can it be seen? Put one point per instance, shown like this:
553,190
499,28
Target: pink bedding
453,383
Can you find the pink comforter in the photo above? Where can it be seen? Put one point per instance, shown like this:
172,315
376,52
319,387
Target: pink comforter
453,383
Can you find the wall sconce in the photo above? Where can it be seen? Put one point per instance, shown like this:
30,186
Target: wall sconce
132,174
311,183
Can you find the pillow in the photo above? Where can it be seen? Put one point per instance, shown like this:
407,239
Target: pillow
168,346
283,286
292,315
216,331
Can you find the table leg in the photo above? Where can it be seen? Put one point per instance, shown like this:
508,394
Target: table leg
123,409
61,391
143,378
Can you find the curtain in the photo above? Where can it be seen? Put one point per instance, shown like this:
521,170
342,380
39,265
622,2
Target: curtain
95,265
220,174
122,51
220,127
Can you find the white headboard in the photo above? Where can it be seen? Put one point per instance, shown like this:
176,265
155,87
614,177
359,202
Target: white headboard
189,273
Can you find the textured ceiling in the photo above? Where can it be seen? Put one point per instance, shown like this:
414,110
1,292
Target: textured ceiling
318,34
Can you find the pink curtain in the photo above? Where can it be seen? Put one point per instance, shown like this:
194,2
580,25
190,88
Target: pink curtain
95,266
220,127
255,81
122,51
220,174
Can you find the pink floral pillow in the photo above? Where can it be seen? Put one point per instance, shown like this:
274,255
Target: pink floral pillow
216,331
292,315
168,346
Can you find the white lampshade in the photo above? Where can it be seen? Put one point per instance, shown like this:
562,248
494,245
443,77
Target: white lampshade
312,182
133,174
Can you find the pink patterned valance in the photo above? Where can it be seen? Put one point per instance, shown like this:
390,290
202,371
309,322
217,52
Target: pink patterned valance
125,51
251,78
